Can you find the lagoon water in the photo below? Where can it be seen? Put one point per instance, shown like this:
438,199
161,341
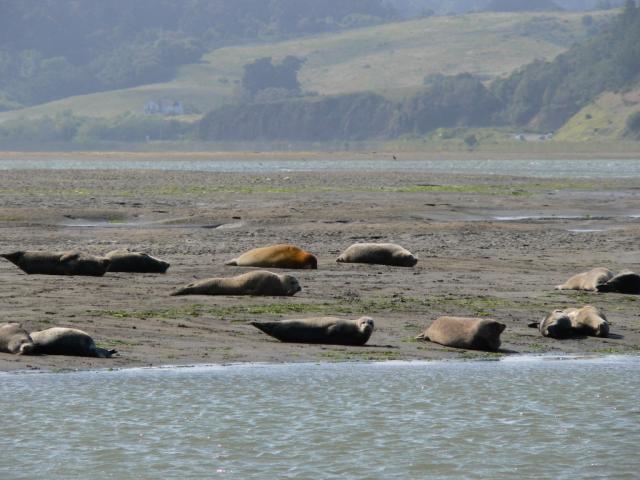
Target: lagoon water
522,417
596,169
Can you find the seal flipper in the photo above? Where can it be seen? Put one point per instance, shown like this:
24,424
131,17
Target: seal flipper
233,262
422,336
533,325
67,257
104,353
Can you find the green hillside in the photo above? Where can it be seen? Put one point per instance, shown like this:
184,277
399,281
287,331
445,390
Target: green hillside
604,119
390,58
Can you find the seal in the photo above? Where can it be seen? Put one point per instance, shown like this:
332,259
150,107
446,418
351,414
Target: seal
58,263
326,330
14,339
588,320
67,341
572,322
276,256
461,332
555,325
588,281
125,260
625,282
378,253
258,282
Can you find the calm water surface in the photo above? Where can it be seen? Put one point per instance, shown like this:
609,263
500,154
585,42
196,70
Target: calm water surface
516,418
528,168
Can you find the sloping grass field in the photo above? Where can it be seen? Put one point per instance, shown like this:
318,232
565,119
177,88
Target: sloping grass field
391,59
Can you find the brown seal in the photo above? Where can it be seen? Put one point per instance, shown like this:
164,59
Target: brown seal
588,320
258,282
58,263
327,330
14,339
624,282
67,341
572,322
460,332
125,260
587,280
378,253
276,256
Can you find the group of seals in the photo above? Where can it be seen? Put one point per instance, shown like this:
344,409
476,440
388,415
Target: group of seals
457,332
52,341
603,280
292,257
572,322
78,263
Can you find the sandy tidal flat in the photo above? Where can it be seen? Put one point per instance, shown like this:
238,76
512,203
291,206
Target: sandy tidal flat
488,246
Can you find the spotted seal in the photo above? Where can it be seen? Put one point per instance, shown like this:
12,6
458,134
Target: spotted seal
258,282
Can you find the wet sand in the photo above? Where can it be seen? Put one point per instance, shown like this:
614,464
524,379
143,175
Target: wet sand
488,246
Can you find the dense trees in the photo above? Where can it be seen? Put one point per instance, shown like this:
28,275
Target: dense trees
263,74
56,48
520,5
546,94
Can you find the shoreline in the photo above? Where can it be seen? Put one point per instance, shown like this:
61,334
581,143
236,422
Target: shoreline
527,358
337,155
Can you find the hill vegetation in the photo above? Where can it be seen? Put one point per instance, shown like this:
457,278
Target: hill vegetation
359,85
391,59
542,95
59,48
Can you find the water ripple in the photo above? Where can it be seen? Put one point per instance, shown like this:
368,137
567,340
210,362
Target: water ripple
513,419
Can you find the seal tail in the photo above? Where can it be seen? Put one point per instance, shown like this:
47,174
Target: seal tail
533,325
266,327
422,336
233,262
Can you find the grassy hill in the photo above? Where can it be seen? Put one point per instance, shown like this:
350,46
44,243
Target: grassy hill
604,119
391,59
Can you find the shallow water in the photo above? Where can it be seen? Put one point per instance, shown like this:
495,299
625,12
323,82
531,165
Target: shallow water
515,418
597,169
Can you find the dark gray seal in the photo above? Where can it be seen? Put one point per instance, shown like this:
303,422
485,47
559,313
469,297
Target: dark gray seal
14,339
555,325
67,341
326,330
379,254
259,282
624,282
461,332
58,263
125,260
